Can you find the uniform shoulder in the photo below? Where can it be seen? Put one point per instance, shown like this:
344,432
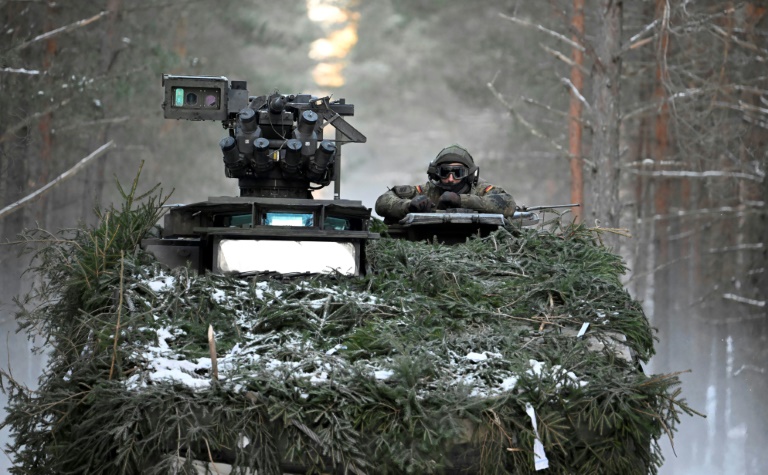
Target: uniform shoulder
483,187
408,191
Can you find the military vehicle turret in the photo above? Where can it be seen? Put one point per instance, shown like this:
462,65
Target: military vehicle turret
276,149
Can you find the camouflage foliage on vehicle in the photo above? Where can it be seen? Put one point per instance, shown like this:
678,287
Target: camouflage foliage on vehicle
425,365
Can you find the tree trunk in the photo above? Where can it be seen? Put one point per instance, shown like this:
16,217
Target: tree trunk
15,174
606,73
44,126
15,154
575,112
661,196
751,380
95,175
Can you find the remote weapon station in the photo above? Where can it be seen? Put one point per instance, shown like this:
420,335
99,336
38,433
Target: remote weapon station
276,149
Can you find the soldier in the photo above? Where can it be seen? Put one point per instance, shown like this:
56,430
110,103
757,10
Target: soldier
454,182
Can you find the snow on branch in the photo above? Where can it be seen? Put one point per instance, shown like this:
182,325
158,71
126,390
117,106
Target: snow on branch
705,174
63,29
749,367
31,72
740,299
562,57
67,174
741,247
576,92
636,41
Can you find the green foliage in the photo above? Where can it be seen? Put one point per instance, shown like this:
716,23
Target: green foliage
79,270
425,365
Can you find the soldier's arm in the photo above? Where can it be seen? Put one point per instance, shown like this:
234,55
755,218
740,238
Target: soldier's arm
394,203
489,199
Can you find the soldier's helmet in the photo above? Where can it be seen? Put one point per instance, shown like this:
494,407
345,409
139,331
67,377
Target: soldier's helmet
453,154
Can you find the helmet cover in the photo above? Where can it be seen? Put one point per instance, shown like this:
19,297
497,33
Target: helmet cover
454,154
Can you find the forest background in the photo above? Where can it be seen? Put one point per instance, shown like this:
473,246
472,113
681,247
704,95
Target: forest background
652,113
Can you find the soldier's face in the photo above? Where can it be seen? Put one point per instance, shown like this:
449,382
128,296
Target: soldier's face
449,171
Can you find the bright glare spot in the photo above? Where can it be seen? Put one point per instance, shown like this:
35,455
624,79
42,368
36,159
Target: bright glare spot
328,74
340,40
337,45
321,11
344,39
321,49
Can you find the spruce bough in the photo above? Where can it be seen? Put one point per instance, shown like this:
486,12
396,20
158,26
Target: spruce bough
425,365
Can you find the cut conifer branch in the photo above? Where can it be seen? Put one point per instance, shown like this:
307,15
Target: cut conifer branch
424,365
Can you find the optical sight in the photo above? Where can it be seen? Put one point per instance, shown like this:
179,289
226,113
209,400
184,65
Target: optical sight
202,97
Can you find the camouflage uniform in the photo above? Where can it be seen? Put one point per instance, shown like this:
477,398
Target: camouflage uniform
482,197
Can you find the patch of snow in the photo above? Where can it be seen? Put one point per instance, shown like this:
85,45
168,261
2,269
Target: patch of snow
335,349
320,377
163,335
179,377
219,296
383,375
508,383
162,282
290,356
536,367
476,357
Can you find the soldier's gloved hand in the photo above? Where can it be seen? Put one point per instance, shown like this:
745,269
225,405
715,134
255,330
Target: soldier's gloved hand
448,200
420,204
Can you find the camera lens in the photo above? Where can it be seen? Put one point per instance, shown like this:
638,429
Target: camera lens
191,99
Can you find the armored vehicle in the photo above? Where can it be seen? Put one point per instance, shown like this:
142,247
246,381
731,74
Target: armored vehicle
509,353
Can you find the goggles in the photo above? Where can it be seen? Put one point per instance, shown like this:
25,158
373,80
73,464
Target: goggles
458,171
